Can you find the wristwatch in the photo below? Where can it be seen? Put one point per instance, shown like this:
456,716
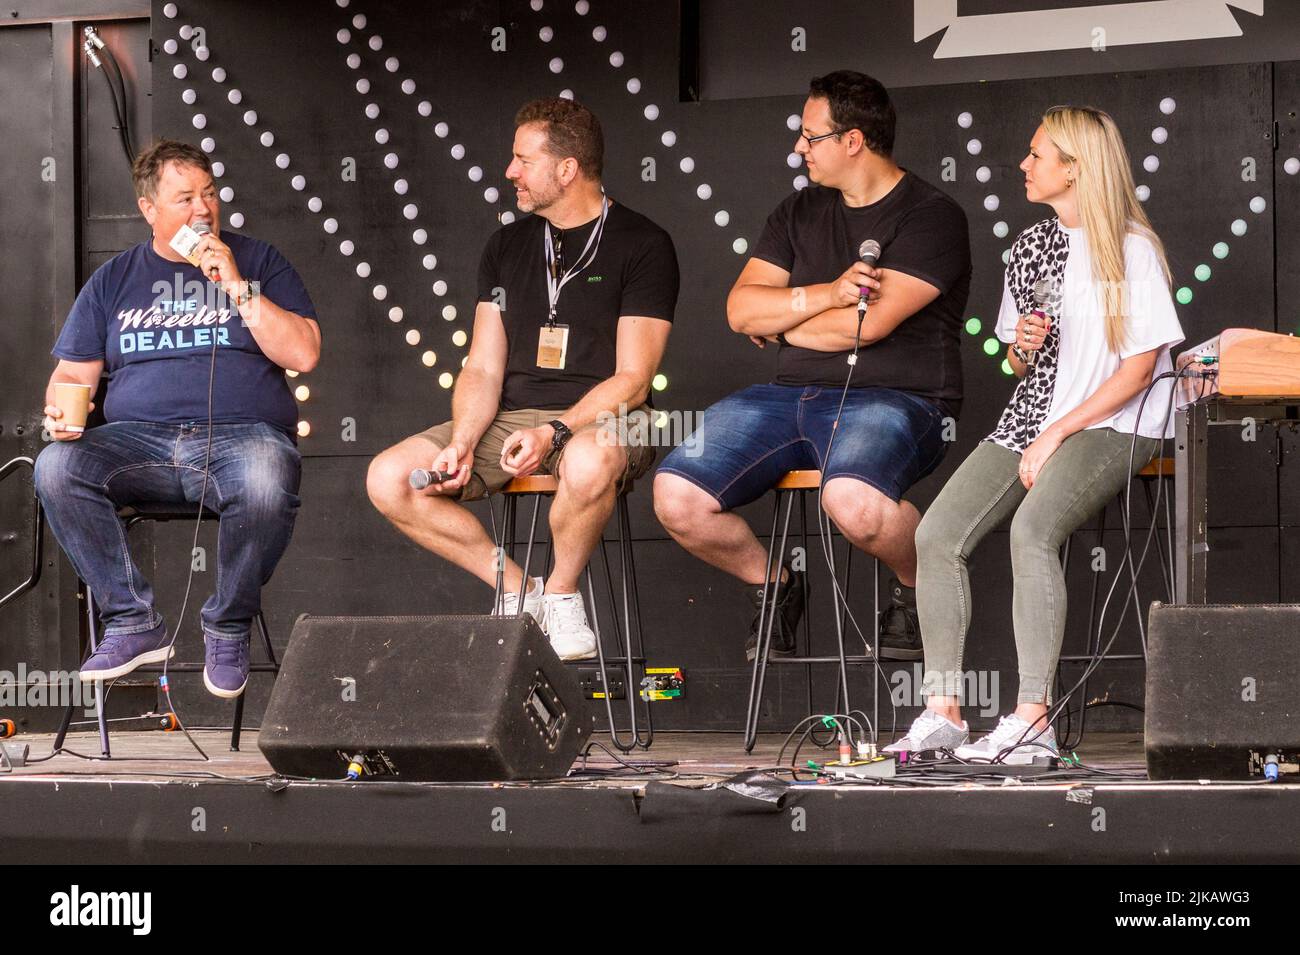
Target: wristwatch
562,435
245,295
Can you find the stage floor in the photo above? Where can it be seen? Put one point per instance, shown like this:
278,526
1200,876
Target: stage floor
157,803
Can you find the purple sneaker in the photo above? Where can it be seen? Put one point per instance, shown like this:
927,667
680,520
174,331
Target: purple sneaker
120,653
225,665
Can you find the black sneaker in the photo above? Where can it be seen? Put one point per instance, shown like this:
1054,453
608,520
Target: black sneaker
900,631
789,610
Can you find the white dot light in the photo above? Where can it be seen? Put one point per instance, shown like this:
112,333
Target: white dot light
363,269
429,359
1006,256
507,217
188,97
363,86
687,165
1000,230
390,160
1143,193
490,194
227,194
395,313
459,338
344,36
392,65
208,144
475,173
169,11
354,61
179,71
651,112
299,183
991,203
376,42
457,151
186,31
556,65
250,117
974,147
566,94
235,97
1151,163
1258,205
535,4
430,262
314,204
359,21
599,34
218,75
302,392
441,130
419,237
964,120
267,139
704,190
449,312
400,187
410,210
282,160
1239,227
330,225
546,34
581,8
424,108
800,182
413,336
218,170
616,59
170,47
237,220
1292,166
201,53
408,86
793,122
445,379
199,120
794,160
634,86
381,135
440,288
983,173
668,138
1168,105
304,429
740,246
380,292
721,217
346,247
1159,135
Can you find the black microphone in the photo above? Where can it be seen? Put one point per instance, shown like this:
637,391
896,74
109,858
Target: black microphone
1042,292
869,253
420,478
202,228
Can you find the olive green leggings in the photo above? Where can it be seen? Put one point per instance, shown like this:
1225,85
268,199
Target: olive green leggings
1086,472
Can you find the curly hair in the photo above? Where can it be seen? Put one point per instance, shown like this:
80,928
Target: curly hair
571,129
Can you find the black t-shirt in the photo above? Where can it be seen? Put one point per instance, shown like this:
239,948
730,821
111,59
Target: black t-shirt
922,232
634,273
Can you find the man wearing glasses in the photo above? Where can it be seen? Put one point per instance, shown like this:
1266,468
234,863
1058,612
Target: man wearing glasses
803,290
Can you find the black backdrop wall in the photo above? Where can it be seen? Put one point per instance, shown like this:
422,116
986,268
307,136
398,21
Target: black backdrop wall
368,142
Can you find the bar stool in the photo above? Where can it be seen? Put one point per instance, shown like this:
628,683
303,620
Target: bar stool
162,513
1157,469
800,483
539,486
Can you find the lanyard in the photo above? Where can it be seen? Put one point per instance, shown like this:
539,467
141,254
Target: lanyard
554,281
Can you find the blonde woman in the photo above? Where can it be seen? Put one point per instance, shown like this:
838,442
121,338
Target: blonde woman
1062,447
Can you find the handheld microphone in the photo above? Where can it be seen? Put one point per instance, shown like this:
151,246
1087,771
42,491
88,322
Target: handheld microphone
420,478
869,253
1042,292
202,228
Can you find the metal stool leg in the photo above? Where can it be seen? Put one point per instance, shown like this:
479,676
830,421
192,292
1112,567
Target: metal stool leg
630,575
766,616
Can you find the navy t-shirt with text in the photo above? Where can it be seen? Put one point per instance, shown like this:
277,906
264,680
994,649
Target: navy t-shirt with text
153,322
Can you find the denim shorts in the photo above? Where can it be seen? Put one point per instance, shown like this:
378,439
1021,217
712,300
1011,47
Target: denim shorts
747,441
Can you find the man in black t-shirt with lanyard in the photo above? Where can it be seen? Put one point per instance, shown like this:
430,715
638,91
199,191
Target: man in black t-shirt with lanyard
574,308
803,289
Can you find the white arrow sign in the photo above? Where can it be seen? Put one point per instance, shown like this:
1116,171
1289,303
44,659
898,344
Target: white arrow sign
1076,28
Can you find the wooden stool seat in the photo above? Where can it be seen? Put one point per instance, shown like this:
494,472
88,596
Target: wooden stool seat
533,484
1158,467
800,481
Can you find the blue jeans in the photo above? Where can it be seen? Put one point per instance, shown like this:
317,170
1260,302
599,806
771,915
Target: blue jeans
886,438
253,483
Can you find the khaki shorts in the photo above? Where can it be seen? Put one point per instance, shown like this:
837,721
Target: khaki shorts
488,477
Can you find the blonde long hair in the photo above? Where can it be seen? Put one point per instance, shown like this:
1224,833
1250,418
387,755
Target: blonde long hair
1107,199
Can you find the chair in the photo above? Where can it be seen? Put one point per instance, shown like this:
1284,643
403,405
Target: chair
162,513
538,486
800,483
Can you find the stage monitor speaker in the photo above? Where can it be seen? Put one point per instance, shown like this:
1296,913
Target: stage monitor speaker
423,698
1223,691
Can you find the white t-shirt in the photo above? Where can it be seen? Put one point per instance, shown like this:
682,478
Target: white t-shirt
1085,359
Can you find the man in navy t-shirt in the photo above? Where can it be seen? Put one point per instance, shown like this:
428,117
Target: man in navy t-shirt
194,348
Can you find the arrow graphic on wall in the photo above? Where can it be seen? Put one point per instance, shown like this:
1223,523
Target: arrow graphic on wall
1076,28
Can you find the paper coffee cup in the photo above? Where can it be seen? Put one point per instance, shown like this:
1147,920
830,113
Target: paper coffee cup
74,401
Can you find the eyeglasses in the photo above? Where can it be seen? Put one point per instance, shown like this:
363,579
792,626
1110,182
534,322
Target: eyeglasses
816,139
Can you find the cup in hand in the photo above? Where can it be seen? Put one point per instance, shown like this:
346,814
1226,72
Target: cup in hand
74,401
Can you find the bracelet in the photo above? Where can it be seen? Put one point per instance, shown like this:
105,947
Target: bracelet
1021,356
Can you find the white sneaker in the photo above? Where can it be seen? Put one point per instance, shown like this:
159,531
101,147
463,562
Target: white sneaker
930,731
565,622
509,605
1012,731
